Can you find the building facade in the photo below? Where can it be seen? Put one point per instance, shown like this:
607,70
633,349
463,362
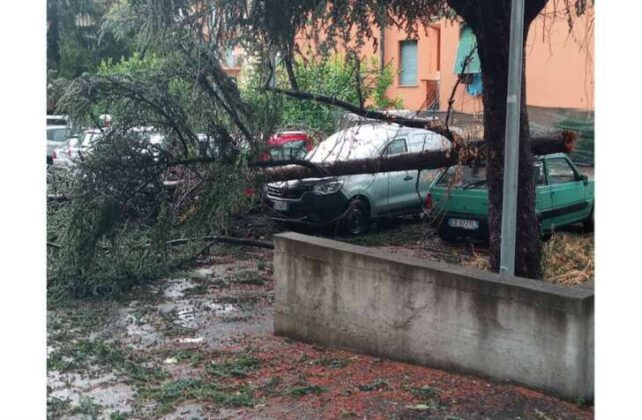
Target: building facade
559,65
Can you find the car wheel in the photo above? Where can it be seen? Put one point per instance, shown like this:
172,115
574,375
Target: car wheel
357,218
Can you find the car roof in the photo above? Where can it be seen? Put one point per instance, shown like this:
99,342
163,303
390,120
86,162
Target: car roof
57,127
553,155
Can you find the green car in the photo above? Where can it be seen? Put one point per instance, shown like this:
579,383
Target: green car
458,198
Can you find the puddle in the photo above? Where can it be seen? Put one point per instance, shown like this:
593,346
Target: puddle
105,390
189,340
176,288
203,272
139,333
196,314
221,308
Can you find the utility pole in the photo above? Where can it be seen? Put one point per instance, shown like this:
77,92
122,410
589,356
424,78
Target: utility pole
511,150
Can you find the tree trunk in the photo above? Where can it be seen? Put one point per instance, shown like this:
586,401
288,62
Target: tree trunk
490,21
463,153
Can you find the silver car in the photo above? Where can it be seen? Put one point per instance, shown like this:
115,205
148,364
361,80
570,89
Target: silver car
354,200
57,136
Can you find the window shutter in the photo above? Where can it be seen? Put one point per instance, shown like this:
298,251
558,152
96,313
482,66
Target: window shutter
467,41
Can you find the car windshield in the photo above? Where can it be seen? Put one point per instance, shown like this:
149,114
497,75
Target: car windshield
342,148
57,134
464,177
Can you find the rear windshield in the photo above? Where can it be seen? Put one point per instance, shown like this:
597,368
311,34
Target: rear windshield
464,177
291,150
57,134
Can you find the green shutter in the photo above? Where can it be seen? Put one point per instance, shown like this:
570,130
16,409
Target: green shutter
467,42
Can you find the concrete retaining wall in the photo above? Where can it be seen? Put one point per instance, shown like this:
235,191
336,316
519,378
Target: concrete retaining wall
433,314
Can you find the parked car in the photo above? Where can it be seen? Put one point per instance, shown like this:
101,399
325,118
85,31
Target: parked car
458,199
286,145
57,120
65,156
57,136
357,199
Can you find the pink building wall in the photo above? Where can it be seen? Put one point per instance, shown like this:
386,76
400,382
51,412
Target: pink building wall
559,65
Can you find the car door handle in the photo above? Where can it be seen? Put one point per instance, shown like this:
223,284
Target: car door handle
408,178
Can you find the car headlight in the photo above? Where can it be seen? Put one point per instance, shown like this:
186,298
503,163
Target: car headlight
328,187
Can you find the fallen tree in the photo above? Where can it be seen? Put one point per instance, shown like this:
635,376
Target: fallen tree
461,152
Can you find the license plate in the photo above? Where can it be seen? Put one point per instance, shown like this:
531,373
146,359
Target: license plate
464,224
280,205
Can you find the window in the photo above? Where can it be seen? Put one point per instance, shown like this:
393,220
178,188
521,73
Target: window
57,134
464,177
408,63
467,62
396,147
559,171
540,178
291,150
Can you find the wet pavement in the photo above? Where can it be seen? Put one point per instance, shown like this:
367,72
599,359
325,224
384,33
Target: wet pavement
200,345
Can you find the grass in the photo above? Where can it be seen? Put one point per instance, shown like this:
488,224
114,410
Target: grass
378,384
568,258
300,391
83,354
238,367
57,407
89,408
270,387
171,393
425,393
201,289
333,363
194,357
249,277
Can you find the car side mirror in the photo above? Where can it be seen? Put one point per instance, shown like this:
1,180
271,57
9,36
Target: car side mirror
584,179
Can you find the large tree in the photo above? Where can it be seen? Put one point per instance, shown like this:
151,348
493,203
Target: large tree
189,92
351,22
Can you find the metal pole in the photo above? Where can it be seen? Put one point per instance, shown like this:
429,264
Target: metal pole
511,151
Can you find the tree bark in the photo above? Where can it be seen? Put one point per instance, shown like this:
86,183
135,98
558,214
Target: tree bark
490,21
474,150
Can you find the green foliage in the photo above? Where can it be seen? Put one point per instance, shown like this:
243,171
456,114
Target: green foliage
113,233
238,367
334,76
375,386
75,41
301,391
173,392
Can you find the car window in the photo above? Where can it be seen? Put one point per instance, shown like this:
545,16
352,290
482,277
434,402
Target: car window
538,168
475,176
57,134
560,171
291,150
396,147
464,176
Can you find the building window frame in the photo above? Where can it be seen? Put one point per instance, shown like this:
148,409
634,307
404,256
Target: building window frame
412,78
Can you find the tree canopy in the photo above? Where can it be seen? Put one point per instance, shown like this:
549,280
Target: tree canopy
177,83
